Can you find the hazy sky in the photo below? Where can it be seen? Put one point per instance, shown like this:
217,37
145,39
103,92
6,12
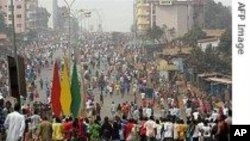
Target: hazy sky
117,15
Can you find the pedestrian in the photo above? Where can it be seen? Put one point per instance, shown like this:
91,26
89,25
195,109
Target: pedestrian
87,128
34,122
95,130
106,130
45,130
2,119
223,129
150,126
182,130
168,130
207,132
101,99
8,108
67,128
116,128
75,130
158,130
113,108
57,127
15,125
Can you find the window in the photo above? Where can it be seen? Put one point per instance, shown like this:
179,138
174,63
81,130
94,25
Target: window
19,16
19,25
153,11
9,8
19,6
10,16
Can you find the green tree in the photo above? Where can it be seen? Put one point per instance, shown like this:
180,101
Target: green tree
197,59
193,36
133,28
211,59
155,33
217,16
225,51
225,45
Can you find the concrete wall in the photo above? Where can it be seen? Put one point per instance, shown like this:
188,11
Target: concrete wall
204,45
179,16
166,15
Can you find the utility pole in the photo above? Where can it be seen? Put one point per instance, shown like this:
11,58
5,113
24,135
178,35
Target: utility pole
15,50
69,43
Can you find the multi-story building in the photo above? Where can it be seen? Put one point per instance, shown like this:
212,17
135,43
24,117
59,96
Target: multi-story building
178,16
142,13
31,14
55,14
42,21
25,14
19,14
63,21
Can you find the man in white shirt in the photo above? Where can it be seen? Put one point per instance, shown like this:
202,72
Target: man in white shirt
150,126
215,115
149,112
188,112
142,96
196,114
168,128
15,125
113,108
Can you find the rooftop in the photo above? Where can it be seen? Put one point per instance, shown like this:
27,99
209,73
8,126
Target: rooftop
210,39
214,32
219,80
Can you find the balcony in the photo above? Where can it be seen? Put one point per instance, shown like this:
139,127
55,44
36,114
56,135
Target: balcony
143,22
143,27
143,5
142,13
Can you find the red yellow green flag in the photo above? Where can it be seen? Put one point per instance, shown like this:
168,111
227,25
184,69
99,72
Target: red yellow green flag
65,97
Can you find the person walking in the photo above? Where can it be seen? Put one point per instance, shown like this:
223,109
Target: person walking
15,125
57,134
150,126
45,130
106,130
95,130
2,119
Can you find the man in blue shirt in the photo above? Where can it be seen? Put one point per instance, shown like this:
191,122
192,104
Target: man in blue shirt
2,118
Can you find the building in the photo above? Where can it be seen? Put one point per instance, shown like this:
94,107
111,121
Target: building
4,41
204,43
212,38
19,14
31,14
25,14
63,21
177,15
55,14
42,21
143,11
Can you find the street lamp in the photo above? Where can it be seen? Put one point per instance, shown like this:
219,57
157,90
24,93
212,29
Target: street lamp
69,5
77,16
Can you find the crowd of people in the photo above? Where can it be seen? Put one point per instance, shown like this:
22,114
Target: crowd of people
30,125
157,110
